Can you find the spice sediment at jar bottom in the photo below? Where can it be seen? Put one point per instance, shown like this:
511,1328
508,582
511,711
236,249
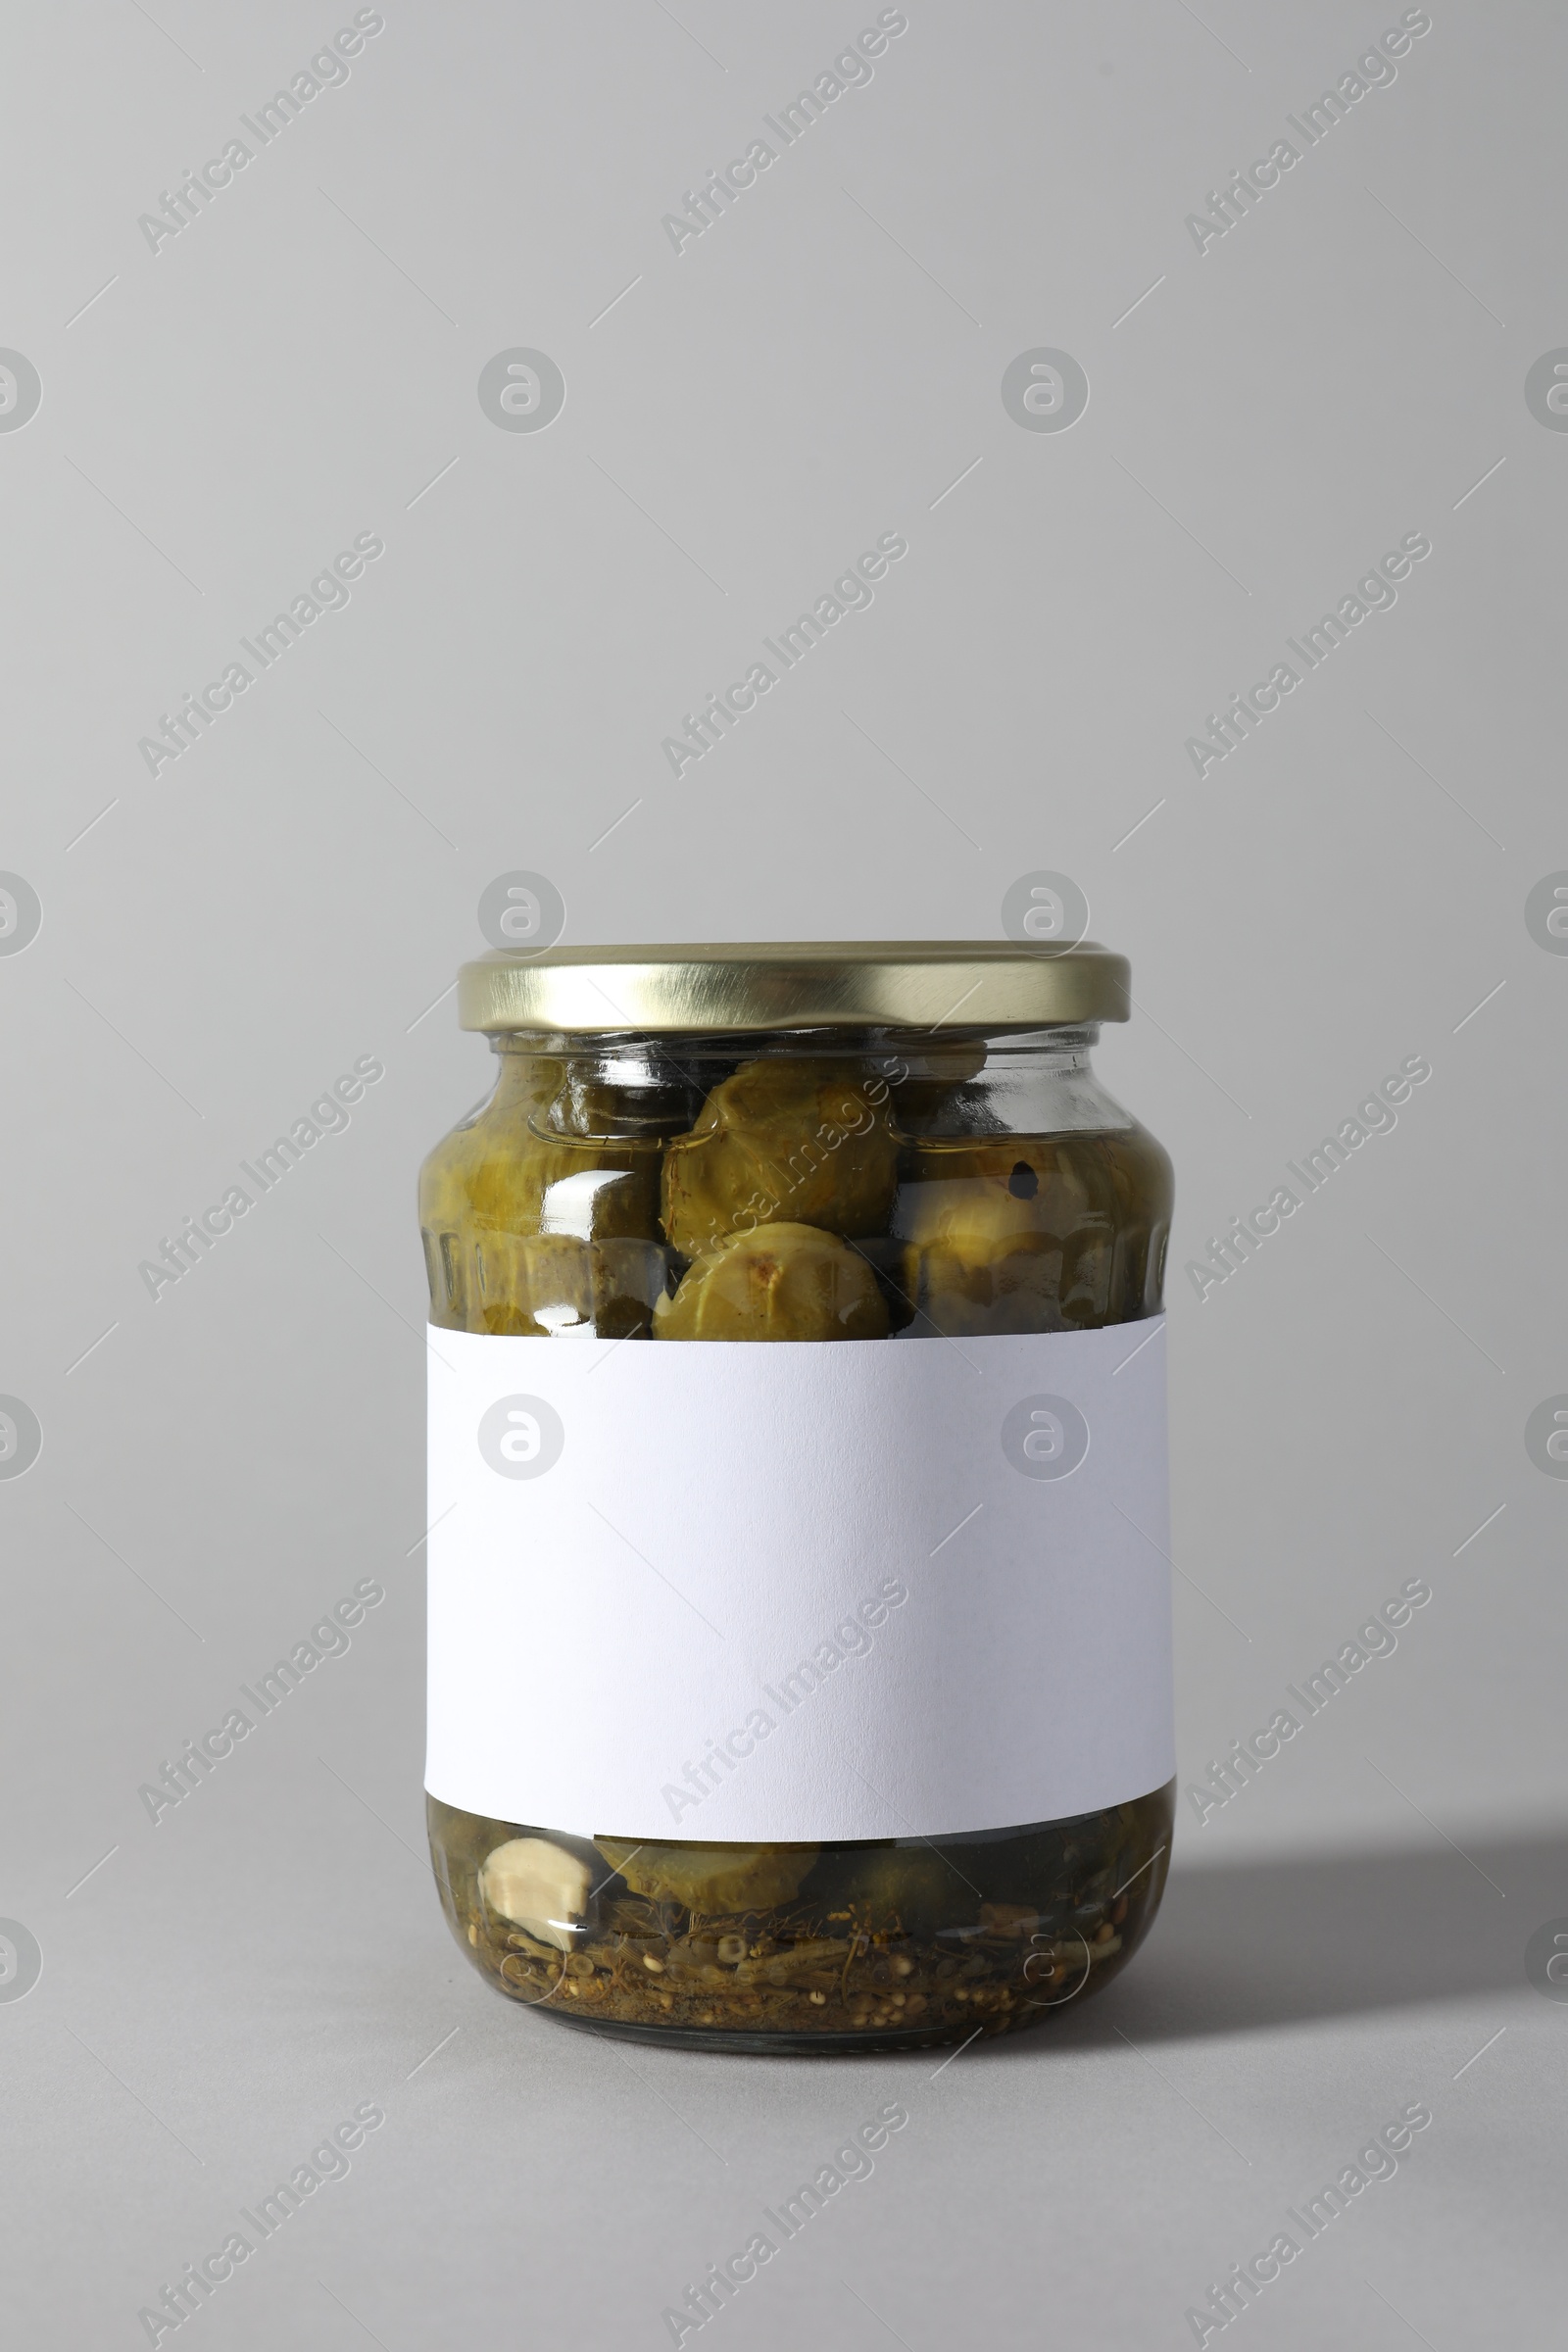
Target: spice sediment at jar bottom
776,1150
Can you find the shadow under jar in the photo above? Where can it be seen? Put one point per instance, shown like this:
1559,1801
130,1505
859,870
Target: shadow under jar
813,1695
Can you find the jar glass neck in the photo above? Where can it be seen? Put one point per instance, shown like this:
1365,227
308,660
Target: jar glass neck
956,1082
1062,1046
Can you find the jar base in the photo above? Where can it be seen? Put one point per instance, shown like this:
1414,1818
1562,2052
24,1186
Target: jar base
733,2042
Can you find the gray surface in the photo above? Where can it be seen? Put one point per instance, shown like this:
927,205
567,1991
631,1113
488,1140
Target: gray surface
296,890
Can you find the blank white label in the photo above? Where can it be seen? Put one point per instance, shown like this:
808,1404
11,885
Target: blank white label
871,1588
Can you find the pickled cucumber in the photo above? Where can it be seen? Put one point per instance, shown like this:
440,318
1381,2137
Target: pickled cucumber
793,1141
708,1878
1033,1233
783,1282
534,1233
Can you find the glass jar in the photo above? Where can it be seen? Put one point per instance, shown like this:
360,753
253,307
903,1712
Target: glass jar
812,1697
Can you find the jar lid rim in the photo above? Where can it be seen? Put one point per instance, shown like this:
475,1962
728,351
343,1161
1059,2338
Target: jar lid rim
740,986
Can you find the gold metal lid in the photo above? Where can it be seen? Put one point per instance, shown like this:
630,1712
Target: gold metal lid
982,984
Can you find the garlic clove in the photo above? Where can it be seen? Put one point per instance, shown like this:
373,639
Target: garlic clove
538,1886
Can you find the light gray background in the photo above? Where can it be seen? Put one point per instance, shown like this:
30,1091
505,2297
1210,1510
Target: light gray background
296,891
